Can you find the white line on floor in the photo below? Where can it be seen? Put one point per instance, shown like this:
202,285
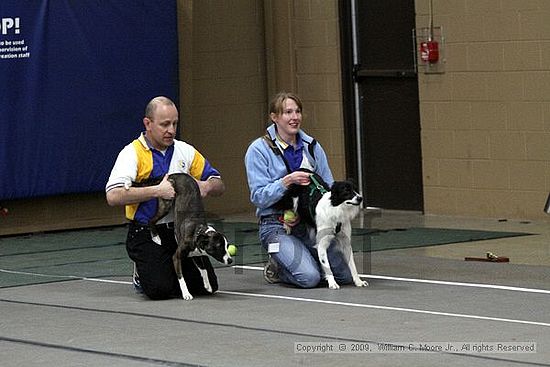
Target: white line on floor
62,276
384,277
441,282
312,300
389,308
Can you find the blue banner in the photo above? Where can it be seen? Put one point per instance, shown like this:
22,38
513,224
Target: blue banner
75,77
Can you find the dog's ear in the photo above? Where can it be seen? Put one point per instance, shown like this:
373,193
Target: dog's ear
200,233
353,182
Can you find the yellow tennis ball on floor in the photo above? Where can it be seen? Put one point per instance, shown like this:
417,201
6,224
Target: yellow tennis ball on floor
289,216
232,250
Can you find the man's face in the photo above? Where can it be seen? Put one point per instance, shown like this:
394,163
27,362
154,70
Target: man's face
161,127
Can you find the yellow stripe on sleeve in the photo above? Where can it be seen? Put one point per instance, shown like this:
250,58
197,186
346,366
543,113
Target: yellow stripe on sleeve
144,161
197,166
144,169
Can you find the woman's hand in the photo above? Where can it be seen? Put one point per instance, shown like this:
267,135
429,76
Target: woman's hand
297,177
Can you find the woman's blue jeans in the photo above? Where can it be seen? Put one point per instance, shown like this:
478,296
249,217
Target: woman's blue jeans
296,255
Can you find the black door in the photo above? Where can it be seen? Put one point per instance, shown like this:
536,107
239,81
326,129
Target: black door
387,101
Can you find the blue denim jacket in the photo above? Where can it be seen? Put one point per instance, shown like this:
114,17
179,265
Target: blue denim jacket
265,170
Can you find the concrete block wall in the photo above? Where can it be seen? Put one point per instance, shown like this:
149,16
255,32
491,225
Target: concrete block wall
223,87
486,120
303,56
318,81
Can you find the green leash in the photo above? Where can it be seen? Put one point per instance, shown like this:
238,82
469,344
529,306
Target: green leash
315,185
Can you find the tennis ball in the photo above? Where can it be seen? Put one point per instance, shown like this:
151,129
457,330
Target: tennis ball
289,216
232,250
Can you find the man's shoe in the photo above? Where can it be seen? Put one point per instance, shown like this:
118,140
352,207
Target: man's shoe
135,280
271,271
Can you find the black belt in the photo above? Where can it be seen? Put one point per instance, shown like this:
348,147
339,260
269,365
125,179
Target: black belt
169,225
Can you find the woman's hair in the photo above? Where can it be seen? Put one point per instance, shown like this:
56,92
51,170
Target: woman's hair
277,103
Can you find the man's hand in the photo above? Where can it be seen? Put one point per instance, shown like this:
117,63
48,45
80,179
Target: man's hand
211,187
165,190
134,195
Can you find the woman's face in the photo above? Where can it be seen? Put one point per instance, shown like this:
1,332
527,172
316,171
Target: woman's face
289,121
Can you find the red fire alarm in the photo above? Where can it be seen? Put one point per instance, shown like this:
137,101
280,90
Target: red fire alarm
429,52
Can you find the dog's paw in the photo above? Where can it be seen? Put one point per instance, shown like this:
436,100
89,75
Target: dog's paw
361,283
288,229
187,296
331,282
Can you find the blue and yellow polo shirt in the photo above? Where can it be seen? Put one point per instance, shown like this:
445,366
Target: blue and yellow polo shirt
139,161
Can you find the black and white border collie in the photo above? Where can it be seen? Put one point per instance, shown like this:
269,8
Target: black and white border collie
331,212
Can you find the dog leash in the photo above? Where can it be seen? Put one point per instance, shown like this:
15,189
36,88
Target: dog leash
316,185
313,186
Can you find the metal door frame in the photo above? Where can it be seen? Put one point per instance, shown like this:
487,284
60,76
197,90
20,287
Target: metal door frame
350,91
351,94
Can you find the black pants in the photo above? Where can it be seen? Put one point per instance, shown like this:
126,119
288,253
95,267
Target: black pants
156,268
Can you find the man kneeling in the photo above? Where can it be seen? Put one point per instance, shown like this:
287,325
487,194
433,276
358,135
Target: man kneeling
156,153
